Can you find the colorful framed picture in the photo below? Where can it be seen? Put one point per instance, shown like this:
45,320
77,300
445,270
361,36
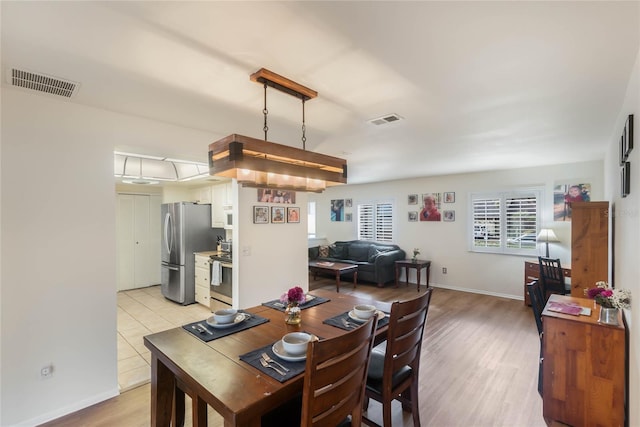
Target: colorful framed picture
277,215
337,210
449,197
268,195
412,199
413,216
261,215
293,215
431,207
449,216
565,194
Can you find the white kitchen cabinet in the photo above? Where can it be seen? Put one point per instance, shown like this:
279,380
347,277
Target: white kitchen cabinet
138,240
219,200
202,279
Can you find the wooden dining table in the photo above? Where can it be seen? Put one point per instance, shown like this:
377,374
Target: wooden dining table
212,374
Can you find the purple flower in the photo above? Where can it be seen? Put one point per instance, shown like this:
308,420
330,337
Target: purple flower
593,292
294,295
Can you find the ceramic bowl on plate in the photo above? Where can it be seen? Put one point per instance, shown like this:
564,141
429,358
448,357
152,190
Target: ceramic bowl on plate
295,343
225,315
364,311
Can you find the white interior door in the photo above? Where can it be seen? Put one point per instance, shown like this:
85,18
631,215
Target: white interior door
125,242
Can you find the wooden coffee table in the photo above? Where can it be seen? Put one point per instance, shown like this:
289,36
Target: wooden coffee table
337,268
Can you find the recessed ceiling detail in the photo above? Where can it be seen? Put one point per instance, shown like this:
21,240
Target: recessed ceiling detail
42,83
389,118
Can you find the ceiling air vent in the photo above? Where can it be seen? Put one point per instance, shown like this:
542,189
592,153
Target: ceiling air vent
42,83
389,118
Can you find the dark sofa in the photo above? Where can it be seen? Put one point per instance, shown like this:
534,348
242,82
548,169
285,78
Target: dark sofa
375,260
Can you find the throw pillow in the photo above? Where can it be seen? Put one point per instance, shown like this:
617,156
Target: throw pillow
323,251
336,251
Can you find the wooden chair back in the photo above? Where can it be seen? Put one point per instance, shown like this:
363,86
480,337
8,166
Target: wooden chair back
335,377
537,302
402,358
551,277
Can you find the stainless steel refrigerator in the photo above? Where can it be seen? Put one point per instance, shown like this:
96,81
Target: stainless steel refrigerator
186,228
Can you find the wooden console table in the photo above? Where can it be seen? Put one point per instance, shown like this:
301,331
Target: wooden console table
532,272
407,264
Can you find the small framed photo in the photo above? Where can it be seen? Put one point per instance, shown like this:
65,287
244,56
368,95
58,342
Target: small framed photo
293,215
449,216
261,215
627,135
277,215
412,199
625,179
348,203
449,197
348,217
413,216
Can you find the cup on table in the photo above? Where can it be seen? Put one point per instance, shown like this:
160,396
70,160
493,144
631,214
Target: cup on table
295,343
225,315
364,311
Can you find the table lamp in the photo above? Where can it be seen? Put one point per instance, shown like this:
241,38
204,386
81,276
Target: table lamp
547,235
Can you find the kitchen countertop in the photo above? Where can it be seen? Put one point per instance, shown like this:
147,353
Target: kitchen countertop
207,253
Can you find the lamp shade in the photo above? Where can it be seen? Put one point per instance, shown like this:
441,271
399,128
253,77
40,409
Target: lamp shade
547,235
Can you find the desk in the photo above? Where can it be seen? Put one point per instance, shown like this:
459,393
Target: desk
212,374
532,272
409,264
583,367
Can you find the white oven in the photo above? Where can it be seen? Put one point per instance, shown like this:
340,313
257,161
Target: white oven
221,280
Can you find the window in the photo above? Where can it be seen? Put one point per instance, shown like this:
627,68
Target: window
311,219
375,221
505,222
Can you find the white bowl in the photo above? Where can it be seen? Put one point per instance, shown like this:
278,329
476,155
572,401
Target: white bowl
225,315
295,343
364,311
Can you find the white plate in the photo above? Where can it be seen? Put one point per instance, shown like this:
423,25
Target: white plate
309,298
379,313
278,350
240,317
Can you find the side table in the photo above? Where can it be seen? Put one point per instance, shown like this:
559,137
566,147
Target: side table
409,264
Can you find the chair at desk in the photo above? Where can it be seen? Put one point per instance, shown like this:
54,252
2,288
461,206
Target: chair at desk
395,363
537,306
552,278
334,379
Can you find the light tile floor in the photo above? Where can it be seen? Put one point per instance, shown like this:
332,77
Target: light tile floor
142,312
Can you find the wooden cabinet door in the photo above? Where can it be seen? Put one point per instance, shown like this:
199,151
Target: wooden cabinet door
589,245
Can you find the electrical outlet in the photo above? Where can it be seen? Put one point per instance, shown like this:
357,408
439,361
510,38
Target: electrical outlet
46,371
444,270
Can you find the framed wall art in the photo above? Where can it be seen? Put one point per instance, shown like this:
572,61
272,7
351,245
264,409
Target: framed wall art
277,215
412,199
449,197
348,203
625,179
337,210
348,217
430,207
268,195
565,194
260,214
293,215
413,216
449,216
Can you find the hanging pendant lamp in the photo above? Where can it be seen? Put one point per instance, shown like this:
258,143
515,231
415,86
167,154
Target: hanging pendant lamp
258,163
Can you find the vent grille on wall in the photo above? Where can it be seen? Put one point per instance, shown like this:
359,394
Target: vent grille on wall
42,83
389,118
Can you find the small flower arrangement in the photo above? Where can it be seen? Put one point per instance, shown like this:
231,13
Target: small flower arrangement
609,297
416,252
293,296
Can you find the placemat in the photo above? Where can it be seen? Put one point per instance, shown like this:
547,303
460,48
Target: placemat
343,321
276,304
253,359
210,333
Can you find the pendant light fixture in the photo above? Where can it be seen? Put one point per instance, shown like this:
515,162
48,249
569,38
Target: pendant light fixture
257,163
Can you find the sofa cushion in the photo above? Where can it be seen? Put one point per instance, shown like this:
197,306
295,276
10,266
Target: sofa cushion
313,252
337,251
358,252
375,250
323,251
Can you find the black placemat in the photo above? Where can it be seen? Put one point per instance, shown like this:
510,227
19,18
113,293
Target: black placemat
339,321
253,359
211,333
276,304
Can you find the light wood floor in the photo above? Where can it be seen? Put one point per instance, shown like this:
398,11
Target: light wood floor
479,367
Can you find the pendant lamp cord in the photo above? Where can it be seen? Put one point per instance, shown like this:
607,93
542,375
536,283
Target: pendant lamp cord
304,128
265,112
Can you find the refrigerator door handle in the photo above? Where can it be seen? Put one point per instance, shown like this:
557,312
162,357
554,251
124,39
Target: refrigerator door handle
167,236
173,268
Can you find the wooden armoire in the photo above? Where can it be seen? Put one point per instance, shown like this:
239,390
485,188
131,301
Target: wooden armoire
589,245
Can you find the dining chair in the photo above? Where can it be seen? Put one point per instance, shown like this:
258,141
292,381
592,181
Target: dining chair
537,306
334,379
552,277
395,363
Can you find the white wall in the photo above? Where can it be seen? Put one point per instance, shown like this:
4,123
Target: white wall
446,243
625,232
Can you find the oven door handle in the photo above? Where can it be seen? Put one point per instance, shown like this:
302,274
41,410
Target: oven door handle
226,265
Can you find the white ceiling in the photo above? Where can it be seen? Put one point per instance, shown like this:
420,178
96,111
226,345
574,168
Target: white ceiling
480,85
